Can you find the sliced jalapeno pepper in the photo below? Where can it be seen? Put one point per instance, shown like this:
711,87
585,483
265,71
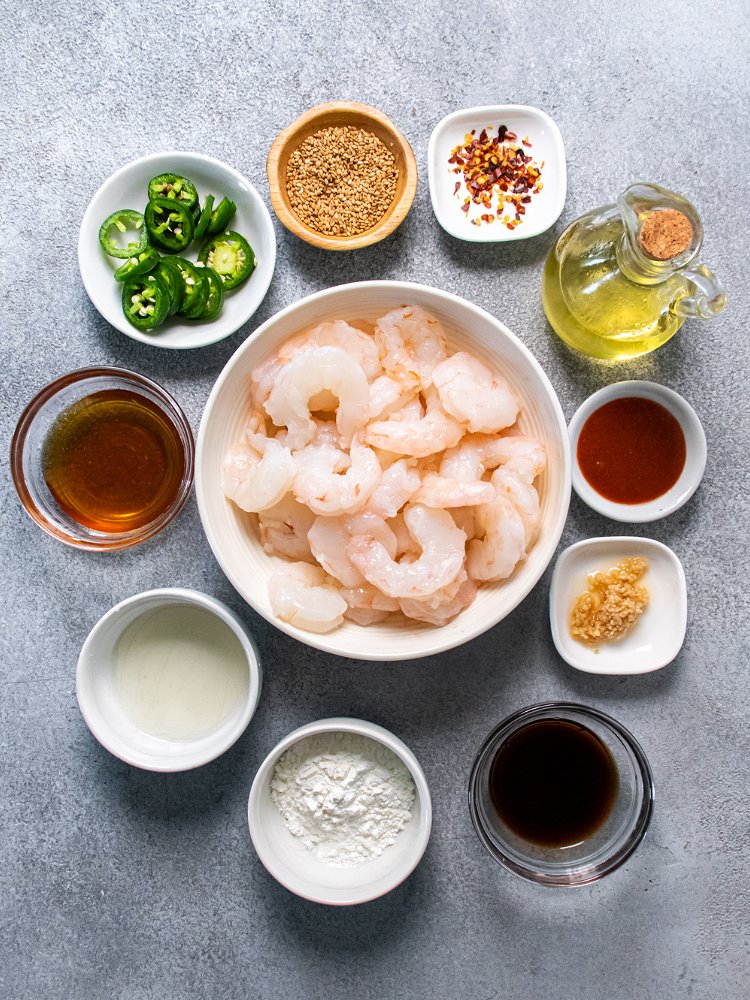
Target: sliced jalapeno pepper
215,299
220,217
174,187
231,256
125,221
169,225
145,302
205,217
138,264
196,288
169,271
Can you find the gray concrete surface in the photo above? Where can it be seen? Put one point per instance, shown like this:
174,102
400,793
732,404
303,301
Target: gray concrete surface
121,884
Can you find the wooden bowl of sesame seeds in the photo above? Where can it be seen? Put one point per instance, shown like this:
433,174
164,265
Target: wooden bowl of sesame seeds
341,176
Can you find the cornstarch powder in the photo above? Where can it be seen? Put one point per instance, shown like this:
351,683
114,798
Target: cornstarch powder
345,796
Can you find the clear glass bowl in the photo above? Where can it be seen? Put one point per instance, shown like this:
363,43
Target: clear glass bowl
609,846
28,443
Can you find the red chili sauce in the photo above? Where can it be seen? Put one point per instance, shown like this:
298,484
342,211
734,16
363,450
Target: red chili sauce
631,450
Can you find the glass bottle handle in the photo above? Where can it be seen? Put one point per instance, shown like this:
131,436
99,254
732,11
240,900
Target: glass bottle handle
704,297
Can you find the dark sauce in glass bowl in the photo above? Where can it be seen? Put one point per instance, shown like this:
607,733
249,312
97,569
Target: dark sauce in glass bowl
553,783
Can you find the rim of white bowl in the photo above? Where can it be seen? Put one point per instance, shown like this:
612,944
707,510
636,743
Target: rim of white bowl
322,641
696,452
495,110
98,724
127,329
556,583
378,734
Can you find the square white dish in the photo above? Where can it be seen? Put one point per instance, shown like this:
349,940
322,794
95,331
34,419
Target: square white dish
546,146
657,637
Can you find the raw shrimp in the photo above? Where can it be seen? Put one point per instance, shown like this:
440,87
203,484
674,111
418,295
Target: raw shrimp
441,559
366,605
284,528
306,597
473,394
438,491
515,487
388,395
424,436
288,404
358,345
331,482
466,520
411,344
256,481
397,485
479,452
441,611
328,538
500,542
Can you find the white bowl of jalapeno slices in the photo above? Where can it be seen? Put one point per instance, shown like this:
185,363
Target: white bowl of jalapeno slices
177,250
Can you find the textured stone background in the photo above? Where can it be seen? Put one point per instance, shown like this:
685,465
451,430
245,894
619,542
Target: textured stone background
118,883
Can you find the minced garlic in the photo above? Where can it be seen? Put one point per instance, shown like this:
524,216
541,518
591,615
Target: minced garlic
612,605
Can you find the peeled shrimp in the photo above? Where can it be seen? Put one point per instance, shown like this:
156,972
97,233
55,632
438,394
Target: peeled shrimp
288,404
284,527
524,497
411,344
466,520
500,542
477,453
441,559
440,609
397,485
388,395
328,538
256,481
305,596
473,394
438,491
331,482
366,605
433,432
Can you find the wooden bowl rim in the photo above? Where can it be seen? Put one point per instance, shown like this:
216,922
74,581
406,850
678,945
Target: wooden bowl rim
392,218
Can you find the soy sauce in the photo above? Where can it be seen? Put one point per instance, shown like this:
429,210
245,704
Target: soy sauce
553,783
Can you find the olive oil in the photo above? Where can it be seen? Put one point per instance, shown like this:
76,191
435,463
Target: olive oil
594,307
553,783
621,280
113,461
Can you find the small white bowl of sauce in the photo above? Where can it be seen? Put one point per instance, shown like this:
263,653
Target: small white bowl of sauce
168,679
639,451
656,637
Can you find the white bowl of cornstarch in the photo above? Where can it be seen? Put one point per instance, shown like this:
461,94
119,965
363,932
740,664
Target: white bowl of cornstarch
340,812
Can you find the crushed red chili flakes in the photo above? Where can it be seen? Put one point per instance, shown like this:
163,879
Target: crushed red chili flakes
496,163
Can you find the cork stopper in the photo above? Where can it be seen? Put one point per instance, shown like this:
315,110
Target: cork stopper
666,234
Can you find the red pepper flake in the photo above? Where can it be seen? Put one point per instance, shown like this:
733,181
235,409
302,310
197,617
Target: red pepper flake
493,168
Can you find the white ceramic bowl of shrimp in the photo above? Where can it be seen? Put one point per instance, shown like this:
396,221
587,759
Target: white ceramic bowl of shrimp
233,534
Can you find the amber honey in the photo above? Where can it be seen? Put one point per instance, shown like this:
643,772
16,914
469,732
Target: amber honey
113,461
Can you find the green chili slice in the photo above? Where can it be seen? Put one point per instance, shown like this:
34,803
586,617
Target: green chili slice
145,302
137,264
174,187
215,299
231,256
124,224
204,219
221,217
169,271
169,225
196,288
